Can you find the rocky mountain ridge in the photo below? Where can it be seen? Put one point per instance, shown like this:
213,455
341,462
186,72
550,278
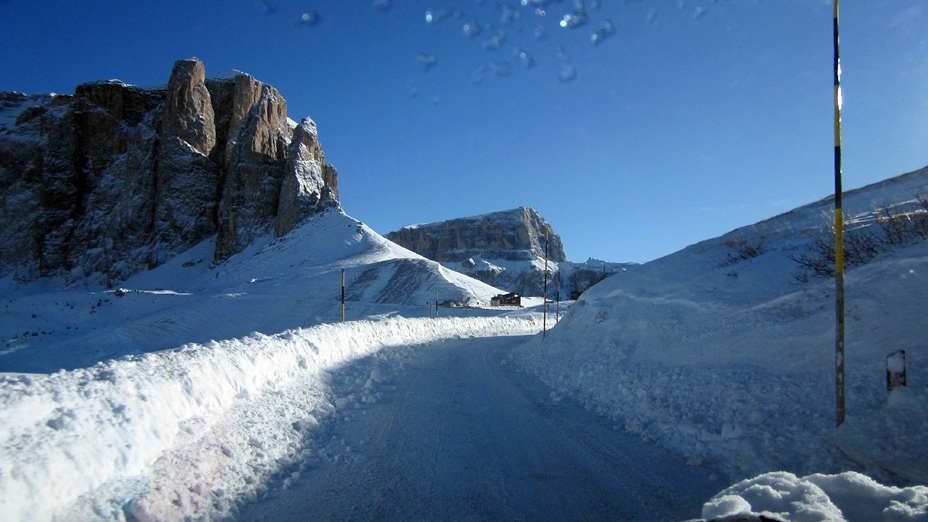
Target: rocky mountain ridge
513,235
507,250
115,178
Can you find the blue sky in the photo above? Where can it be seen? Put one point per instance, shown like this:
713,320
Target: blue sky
690,119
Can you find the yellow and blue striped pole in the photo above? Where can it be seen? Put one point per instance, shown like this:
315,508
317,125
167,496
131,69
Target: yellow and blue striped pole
839,240
544,319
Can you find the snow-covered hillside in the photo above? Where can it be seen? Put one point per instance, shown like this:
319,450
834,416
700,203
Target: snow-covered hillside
195,387
723,353
170,402
293,281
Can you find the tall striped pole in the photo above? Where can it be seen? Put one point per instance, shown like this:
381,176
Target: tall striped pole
544,320
343,295
839,241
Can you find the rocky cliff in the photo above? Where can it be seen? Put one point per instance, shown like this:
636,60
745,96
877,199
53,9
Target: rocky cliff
506,250
503,249
115,178
513,235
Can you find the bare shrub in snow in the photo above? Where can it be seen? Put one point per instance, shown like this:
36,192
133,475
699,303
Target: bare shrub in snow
743,250
862,243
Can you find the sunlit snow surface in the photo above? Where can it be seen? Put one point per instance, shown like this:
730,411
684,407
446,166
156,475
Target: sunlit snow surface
165,394
731,361
166,402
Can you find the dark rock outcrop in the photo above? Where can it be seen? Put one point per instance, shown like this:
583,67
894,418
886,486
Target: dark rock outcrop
502,249
513,235
115,178
506,250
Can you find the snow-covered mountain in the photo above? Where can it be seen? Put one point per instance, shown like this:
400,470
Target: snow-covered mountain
506,249
275,284
724,351
191,388
115,179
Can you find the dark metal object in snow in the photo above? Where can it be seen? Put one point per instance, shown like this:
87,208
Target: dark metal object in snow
895,369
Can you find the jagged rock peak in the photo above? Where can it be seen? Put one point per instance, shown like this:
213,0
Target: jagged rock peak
188,109
117,178
516,235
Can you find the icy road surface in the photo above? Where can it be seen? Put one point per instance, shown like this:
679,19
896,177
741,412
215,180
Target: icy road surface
462,435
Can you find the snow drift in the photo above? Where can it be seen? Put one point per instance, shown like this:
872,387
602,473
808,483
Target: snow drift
274,285
722,353
189,430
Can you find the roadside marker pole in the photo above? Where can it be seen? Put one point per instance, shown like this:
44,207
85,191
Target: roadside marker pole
839,240
343,295
544,320
436,304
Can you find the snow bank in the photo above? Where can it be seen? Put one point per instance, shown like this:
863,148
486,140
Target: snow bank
183,431
721,354
846,497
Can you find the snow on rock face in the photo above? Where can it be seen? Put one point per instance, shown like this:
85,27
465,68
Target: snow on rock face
720,353
116,179
506,250
514,235
188,431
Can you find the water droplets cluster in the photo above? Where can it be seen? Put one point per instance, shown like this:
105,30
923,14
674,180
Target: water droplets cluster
501,28
536,31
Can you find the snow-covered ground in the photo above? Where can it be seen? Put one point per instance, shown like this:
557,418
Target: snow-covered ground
191,386
197,387
273,286
720,353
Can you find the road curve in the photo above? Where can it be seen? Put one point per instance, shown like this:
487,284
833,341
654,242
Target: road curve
463,436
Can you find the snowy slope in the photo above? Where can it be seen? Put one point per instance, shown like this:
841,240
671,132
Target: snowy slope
719,352
196,429
169,402
294,281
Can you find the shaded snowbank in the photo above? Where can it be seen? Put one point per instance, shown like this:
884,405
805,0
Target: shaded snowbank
189,430
845,497
729,359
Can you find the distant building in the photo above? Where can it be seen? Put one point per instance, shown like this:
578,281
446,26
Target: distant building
510,299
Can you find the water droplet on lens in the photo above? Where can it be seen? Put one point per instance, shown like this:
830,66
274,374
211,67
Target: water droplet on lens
501,69
539,32
699,11
267,7
383,5
426,61
575,19
494,42
479,75
568,71
524,58
472,29
510,13
309,18
607,29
